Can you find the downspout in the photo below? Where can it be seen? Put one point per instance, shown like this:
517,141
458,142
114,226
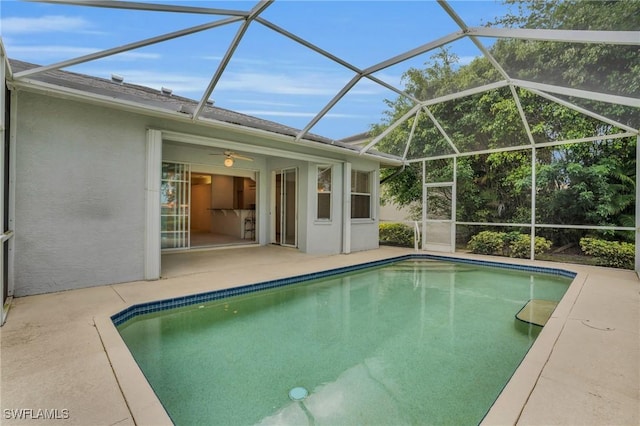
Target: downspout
346,207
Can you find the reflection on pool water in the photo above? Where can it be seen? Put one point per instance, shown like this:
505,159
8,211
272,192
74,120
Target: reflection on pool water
414,342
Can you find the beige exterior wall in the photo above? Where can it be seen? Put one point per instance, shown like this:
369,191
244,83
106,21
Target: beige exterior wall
80,192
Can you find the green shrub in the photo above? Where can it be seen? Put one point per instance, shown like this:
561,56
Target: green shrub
396,234
512,244
521,246
510,237
487,242
609,253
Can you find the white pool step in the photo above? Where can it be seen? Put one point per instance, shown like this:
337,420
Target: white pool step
537,311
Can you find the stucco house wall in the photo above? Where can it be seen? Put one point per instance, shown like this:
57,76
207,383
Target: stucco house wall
325,236
79,209
80,215
364,232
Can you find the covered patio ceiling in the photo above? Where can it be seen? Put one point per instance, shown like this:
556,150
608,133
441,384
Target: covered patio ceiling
262,21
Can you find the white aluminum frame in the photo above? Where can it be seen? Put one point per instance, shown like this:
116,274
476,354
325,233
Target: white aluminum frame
185,226
153,172
9,234
247,17
330,192
282,219
6,235
372,194
346,207
425,204
622,38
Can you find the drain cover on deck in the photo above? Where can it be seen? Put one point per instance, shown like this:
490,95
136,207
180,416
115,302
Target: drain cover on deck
298,394
537,311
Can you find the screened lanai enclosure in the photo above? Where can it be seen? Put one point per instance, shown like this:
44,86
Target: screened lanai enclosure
516,119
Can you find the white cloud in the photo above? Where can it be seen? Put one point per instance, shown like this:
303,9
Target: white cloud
265,103
263,113
466,60
338,115
393,79
47,52
53,52
313,85
132,55
245,85
271,113
309,84
238,60
45,24
366,87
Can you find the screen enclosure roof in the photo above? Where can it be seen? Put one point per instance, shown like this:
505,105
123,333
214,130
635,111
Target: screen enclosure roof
329,71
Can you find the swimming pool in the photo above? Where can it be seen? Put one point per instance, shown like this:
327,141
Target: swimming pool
407,342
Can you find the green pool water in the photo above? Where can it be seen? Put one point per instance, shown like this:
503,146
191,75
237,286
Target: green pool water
415,342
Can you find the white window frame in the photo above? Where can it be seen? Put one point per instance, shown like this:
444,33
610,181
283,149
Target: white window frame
322,168
370,194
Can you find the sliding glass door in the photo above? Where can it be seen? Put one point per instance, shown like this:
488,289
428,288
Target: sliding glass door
286,207
175,195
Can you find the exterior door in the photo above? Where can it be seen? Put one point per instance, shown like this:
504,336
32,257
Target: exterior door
175,199
438,226
285,223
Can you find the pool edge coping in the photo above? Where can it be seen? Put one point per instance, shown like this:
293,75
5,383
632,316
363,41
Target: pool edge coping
143,403
142,308
146,407
510,403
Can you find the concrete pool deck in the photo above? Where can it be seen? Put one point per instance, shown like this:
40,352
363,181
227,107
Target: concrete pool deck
583,369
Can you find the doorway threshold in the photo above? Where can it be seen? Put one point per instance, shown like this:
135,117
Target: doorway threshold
213,247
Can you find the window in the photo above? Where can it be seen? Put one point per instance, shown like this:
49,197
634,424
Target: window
360,195
324,193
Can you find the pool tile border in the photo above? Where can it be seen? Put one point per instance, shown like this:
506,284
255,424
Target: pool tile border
176,302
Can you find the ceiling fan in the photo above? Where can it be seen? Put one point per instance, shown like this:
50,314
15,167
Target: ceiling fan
230,156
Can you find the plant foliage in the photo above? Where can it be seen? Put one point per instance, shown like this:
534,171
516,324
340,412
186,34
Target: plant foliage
521,247
609,253
487,242
396,234
511,244
586,183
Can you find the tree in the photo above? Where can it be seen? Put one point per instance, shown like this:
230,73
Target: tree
586,183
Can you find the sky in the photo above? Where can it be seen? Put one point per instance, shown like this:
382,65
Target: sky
269,76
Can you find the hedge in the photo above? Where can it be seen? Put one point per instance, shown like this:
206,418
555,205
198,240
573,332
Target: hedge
511,244
609,253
